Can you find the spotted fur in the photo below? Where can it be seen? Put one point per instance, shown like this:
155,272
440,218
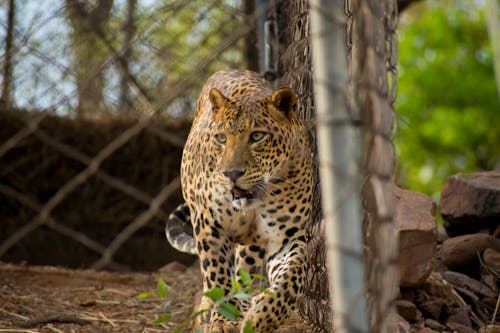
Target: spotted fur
246,178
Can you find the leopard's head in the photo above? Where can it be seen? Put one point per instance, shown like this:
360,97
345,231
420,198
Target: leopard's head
254,141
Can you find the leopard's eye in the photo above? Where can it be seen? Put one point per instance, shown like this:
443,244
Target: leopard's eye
257,136
221,138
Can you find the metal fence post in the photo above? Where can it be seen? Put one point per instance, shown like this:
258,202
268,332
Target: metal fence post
340,156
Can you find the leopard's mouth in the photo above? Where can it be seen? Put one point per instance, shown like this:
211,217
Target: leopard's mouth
239,193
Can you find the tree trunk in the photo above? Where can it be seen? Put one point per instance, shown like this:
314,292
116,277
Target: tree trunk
88,21
7,67
251,51
126,54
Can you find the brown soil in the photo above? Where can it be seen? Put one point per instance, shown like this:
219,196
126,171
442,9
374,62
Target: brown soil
52,299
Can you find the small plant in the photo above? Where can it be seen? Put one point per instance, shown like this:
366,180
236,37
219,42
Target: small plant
161,292
241,289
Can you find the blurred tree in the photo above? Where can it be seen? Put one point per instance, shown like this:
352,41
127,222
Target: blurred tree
179,36
447,103
8,55
129,27
251,51
88,21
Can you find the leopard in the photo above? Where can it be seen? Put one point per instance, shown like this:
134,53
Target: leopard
246,175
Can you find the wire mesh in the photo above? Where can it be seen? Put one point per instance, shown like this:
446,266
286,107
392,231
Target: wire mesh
94,121
92,124
374,76
295,70
370,30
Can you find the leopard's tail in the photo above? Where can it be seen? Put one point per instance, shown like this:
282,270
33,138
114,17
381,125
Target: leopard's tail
179,230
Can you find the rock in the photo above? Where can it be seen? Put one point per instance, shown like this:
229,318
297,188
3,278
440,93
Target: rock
491,259
489,280
432,305
468,283
490,302
462,251
496,233
435,325
173,266
437,288
408,310
401,323
414,217
467,295
460,315
416,329
442,235
470,202
460,328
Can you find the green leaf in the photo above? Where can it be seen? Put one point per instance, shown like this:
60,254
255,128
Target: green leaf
248,327
228,310
180,328
215,294
145,295
163,318
161,288
245,277
250,290
198,313
258,277
235,286
242,295
269,292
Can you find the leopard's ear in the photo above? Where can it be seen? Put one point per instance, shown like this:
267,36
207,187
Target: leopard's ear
284,99
217,99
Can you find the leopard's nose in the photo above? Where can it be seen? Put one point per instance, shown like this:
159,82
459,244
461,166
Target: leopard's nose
233,174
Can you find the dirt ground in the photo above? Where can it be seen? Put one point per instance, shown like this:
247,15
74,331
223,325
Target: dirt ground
51,299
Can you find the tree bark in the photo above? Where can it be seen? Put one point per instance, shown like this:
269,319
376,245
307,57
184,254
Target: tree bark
87,22
129,31
7,67
251,52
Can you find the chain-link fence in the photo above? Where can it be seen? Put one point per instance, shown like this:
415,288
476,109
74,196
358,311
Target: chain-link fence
94,97
372,80
93,106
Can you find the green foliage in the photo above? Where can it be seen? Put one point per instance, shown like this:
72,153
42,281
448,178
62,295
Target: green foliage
224,302
161,292
215,294
248,328
228,310
145,295
163,318
241,289
447,103
245,278
161,288
180,37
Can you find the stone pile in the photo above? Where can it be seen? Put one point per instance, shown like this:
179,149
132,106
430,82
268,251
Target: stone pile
450,274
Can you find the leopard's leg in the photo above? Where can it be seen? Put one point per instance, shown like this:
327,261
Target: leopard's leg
250,258
286,274
216,255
